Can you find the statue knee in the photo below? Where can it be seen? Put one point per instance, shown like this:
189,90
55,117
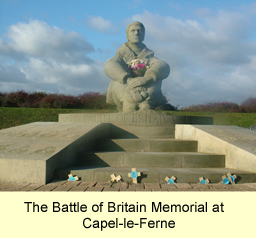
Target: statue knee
128,107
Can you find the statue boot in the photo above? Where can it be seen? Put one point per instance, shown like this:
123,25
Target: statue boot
145,105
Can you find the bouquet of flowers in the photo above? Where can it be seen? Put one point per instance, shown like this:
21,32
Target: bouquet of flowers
137,66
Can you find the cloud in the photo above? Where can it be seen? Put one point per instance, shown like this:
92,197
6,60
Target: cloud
39,57
37,39
211,58
72,78
100,24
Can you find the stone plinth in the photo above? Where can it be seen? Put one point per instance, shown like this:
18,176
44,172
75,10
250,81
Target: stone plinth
128,125
137,125
156,119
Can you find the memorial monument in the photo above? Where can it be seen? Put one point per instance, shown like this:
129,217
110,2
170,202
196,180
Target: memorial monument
136,74
94,146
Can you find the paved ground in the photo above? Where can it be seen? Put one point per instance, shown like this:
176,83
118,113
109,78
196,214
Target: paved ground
79,186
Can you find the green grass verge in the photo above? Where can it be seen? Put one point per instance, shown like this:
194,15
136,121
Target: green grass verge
222,118
10,117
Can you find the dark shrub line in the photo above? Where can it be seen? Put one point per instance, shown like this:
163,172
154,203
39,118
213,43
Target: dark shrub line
21,98
92,100
249,105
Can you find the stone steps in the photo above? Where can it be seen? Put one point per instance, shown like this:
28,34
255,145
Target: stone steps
154,175
146,145
149,153
156,159
152,159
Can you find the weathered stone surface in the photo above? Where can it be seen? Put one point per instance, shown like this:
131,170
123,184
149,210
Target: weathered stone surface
51,186
84,186
152,159
95,189
152,186
32,152
169,187
12,186
183,186
141,124
129,125
133,118
67,186
158,175
200,187
236,143
142,145
31,187
134,87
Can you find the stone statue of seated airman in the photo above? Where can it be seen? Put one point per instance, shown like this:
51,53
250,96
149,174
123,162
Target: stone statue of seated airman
136,75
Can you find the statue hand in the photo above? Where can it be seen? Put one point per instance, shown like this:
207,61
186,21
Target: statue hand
137,82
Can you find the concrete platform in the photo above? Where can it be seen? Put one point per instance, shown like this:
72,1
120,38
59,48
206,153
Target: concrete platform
36,152
32,152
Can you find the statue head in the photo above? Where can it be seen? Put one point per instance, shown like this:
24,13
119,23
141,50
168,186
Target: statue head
135,32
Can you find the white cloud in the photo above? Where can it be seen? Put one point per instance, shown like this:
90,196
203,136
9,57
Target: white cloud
39,57
37,39
211,59
100,24
82,76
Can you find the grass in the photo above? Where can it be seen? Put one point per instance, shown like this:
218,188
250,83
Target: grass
222,118
10,117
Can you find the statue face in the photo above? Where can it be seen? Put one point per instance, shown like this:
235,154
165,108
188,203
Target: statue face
135,34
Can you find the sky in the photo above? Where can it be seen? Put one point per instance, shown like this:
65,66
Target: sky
61,47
